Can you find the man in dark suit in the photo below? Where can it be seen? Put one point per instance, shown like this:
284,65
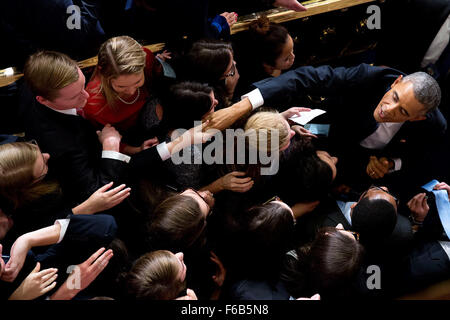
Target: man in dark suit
380,120
81,160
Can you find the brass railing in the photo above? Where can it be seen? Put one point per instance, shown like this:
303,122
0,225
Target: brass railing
277,15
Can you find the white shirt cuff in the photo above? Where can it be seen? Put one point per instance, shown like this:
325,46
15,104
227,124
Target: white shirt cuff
255,97
107,154
397,164
163,151
64,223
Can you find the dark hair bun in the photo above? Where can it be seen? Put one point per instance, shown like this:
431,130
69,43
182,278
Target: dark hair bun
260,26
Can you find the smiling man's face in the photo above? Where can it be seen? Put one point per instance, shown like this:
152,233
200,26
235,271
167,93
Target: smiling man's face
399,104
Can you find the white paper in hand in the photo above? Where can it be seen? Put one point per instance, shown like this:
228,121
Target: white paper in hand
306,116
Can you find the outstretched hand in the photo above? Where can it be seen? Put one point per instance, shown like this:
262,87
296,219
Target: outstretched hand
36,284
102,199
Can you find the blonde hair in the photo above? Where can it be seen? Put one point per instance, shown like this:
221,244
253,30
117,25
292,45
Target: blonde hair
118,56
154,276
260,128
46,72
17,185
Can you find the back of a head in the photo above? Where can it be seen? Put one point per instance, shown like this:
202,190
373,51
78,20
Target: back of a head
311,176
154,276
207,61
17,161
374,219
334,259
267,232
268,40
186,102
426,89
263,127
177,223
46,72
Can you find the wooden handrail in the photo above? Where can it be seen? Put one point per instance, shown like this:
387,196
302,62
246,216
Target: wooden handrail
279,15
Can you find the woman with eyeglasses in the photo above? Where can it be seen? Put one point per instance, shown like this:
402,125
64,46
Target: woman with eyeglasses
329,265
212,62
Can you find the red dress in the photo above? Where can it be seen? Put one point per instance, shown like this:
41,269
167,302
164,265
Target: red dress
124,116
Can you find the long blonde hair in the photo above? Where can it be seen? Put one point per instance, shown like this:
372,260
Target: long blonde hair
260,128
118,56
17,161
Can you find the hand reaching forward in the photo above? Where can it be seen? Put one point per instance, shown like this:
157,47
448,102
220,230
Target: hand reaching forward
83,275
295,111
102,199
36,284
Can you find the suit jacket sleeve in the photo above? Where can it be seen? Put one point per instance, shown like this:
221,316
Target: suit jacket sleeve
324,80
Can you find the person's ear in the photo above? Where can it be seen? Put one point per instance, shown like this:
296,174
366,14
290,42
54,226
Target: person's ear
400,78
41,100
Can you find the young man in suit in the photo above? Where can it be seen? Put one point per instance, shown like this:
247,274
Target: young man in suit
81,160
381,121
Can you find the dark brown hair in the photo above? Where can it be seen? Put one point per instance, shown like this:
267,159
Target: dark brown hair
177,223
269,39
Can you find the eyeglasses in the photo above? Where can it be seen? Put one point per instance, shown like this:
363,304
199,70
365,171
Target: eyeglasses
232,70
274,198
210,210
41,177
355,234
379,188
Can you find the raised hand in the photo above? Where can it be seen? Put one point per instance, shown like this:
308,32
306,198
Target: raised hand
102,199
36,284
295,111
83,275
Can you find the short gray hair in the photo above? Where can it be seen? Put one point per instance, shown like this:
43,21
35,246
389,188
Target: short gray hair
426,89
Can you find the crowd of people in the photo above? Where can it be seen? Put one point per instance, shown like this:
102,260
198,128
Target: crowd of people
128,185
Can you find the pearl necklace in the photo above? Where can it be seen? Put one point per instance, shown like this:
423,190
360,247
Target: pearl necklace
131,102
